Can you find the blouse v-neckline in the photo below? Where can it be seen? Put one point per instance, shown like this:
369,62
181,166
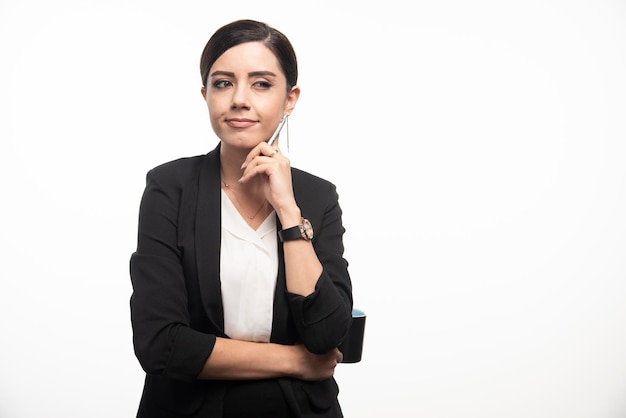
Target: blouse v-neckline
236,224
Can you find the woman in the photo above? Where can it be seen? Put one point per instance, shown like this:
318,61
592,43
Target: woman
241,294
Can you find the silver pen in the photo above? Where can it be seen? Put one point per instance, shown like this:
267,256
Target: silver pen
277,131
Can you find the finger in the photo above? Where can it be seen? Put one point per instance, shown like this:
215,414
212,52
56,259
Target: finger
267,164
256,166
268,150
262,150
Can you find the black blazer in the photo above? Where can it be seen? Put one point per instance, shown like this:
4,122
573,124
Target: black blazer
176,305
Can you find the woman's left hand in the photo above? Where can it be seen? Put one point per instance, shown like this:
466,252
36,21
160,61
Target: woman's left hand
274,169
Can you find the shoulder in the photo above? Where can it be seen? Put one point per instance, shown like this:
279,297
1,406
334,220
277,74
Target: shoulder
175,177
184,171
180,167
311,189
303,178
172,181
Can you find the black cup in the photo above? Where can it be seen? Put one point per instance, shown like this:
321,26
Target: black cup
352,345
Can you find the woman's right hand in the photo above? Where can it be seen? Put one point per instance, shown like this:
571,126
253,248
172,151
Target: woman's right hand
240,360
309,366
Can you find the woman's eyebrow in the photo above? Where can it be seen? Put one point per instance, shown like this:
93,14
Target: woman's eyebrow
261,73
250,74
222,73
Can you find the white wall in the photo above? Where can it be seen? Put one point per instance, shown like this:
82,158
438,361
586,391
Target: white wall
479,149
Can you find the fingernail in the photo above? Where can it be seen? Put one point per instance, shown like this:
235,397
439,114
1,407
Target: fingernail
243,165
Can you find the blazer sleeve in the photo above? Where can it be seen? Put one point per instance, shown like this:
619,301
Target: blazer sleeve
164,342
323,317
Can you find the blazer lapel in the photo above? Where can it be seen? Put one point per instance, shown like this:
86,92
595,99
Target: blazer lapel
208,236
280,325
208,244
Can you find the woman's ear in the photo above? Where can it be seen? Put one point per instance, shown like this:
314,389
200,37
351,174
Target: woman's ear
203,91
292,99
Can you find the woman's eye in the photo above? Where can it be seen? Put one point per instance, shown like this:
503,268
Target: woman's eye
263,84
220,84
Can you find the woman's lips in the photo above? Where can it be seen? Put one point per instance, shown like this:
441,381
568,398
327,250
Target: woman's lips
240,123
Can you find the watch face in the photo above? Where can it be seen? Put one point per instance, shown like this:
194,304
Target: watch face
307,228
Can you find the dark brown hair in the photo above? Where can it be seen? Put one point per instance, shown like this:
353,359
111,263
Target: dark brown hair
241,31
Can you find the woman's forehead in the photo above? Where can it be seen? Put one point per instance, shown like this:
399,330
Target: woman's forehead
252,56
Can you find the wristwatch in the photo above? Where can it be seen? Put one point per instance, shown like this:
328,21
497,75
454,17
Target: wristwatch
302,231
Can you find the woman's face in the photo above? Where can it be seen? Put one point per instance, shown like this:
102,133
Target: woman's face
246,94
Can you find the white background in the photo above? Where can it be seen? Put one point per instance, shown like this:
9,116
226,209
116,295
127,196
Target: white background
479,149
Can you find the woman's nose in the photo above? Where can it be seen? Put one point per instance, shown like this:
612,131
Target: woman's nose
240,98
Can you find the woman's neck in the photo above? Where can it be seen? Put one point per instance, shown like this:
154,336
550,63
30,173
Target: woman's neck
249,198
231,161
231,172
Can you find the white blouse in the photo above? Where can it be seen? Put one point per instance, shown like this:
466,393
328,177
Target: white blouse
248,271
